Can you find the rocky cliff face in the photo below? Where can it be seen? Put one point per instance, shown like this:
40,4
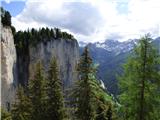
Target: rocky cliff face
8,68
18,63
65,51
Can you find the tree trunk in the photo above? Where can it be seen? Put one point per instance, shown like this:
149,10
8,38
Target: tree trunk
141,114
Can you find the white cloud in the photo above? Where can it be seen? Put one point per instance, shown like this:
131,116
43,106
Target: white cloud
93,20
8,1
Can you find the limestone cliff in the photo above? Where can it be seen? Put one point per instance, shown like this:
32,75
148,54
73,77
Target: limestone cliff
20,52
8,67
66,52
18,61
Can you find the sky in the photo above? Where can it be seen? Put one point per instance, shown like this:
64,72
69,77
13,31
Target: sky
89,20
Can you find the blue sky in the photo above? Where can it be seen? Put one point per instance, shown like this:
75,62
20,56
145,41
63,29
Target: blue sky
89,20
122,7
13,7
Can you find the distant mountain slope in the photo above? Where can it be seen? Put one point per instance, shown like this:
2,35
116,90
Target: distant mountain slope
110,55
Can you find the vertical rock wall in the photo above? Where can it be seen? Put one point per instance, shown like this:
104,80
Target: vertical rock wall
18,68
8,68
65,51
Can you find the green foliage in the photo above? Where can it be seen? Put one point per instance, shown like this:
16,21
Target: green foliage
112,113
83,92
5,17
13,30
140,83
24,39
106,109
22,106
33,36
55,100
102,110
58,33
37,94
88,99
5,115
43,100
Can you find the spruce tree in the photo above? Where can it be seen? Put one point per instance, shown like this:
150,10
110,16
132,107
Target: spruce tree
5,115
5,17
101,110
37,94
109,112
83,93
55,100
88,100
140,83
105,110
22,106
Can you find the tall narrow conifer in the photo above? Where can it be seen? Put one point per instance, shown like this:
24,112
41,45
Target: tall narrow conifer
37,94
140,94
55,100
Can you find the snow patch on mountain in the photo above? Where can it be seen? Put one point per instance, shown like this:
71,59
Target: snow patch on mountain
82,44
117,47
102,84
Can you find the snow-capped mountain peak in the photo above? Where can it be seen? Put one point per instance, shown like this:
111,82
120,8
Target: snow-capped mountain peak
82,44
116,46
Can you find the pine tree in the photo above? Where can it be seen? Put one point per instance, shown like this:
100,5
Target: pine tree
83,93
140,83
105,110
88,100
101,110
22,106
5,17
109,112
55,100
5,115
37,94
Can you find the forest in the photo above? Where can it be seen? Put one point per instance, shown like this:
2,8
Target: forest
33,36
138,100
44,98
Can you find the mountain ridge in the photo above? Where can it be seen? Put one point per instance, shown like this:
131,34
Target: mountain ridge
110,55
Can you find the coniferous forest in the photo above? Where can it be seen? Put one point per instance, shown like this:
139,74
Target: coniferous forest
45,99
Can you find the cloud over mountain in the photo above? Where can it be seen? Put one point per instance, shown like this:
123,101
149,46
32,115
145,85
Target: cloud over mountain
93,20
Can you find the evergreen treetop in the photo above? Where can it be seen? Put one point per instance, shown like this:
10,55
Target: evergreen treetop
5,115
37,94
21,109
55,100
5,17
140,83
87,95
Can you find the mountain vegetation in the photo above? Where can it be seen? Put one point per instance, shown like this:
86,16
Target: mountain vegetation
5,17
22,107
111,62
5,115
34,36
138,99
140,83
37,94
55,100
43,97
90,100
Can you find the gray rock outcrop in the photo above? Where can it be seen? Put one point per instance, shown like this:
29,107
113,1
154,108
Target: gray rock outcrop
8,68
17,66
65,51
